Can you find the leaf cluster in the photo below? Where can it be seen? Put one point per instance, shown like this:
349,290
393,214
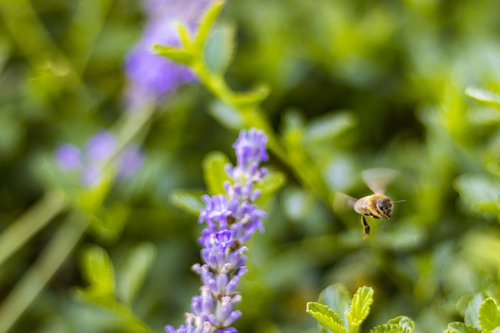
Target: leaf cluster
115,291
343,316
482,315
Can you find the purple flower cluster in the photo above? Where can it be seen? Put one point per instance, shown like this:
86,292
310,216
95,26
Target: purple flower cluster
230,220
90,162
151,76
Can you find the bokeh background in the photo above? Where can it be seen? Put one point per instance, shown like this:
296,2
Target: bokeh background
354,85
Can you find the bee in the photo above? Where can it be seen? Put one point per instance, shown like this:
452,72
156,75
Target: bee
376,205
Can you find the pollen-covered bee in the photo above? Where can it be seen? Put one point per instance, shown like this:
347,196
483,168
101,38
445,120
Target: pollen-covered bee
376,205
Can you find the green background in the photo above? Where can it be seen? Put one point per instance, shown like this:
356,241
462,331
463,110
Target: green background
354,85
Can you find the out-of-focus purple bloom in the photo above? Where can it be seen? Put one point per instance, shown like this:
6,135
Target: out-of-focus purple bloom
187,11
91,161
100,147
151,76
230,220
130,160
69,158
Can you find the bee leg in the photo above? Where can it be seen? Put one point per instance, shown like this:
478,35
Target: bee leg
366,227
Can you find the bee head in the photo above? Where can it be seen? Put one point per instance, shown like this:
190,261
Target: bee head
385,206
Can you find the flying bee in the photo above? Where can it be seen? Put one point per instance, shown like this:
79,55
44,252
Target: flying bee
376,205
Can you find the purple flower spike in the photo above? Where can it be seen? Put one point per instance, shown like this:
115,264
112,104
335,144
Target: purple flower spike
230,220
250,148
91,161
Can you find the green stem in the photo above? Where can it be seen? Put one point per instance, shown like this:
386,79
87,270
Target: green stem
252,116
215,83
127,129
26,226
132,123
40,273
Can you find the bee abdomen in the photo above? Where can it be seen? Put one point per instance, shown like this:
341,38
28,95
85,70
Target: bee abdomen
364,206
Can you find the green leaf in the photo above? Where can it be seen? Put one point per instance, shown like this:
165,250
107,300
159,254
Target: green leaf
326,316
206,25
406,324
494,168
483,95
297,203
98,271
336,297
252,98
480,193
226,115
324,309
184,36
360,306
484,116
99,274
329,126
471,316
463,302
189,201
214,172
109,223
298,156
489,315
481,249
271,183
135,270
460,328
388,328
180,56
219,50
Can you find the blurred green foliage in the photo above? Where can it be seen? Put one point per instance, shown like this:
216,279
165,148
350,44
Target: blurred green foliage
350,85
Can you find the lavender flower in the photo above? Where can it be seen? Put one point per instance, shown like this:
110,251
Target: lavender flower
230,220
90,162
152,76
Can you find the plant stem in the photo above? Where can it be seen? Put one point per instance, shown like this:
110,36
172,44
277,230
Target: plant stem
40,273
32,221
134,324
251,116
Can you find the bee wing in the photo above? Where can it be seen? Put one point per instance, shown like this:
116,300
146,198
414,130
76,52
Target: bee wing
341,201
378,179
